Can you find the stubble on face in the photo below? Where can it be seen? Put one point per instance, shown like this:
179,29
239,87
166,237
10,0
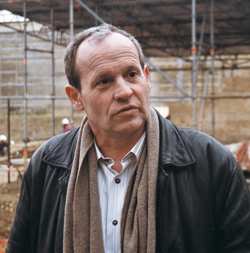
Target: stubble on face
111,61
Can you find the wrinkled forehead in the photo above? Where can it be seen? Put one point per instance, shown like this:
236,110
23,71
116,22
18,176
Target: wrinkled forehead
108,46
113,38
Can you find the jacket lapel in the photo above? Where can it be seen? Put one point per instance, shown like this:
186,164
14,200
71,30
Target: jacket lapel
62,154
172,148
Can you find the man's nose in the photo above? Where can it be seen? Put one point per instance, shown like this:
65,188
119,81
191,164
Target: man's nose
123,90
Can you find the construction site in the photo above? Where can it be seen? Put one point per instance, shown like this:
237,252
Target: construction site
197,51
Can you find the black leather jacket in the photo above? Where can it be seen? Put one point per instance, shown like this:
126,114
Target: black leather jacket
203,203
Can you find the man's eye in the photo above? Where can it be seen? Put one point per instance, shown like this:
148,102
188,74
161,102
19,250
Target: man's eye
132,74
104,81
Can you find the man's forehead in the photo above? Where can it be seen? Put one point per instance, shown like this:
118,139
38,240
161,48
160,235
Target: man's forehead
113,46
112,38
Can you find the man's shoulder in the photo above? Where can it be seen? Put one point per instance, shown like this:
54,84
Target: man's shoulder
58,148
59,139
201,139
206,148
201,145
211,157
191,136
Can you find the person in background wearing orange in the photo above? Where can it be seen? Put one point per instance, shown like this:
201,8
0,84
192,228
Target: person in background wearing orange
66,125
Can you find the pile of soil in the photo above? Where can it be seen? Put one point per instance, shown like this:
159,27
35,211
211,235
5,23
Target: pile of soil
9,194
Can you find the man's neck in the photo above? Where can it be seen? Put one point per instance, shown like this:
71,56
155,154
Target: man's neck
117,148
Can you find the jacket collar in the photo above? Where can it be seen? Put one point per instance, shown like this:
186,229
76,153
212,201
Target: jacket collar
173,149
61,149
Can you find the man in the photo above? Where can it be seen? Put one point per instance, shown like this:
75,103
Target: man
3,144
128,180
66,125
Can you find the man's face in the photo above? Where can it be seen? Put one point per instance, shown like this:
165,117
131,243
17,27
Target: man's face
114,88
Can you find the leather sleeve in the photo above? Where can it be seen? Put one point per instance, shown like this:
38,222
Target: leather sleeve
234,218
25,226
231,197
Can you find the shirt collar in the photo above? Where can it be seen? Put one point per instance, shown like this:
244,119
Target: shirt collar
136,150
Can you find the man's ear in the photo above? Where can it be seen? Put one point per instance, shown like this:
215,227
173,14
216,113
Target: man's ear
74,97
146,72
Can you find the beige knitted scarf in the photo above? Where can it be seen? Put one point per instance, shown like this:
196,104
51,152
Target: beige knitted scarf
82,222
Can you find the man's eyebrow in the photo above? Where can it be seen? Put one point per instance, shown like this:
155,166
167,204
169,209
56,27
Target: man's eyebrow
134,67
100,75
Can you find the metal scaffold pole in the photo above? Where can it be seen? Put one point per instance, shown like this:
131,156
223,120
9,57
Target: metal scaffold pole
53,67
197,68
194,62
91,12
212,65
71,24
8,162
25,74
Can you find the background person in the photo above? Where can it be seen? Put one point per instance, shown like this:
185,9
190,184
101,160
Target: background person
3,144
66,125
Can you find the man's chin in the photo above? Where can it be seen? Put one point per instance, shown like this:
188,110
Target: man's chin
130,128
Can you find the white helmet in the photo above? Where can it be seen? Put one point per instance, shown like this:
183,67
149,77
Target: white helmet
65,121
3,137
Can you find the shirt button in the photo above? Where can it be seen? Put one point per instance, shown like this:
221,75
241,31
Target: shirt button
114,222
117,180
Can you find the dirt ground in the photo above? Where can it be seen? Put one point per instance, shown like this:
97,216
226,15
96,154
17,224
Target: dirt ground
9,194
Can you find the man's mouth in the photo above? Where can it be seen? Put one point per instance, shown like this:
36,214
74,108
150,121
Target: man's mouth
127,110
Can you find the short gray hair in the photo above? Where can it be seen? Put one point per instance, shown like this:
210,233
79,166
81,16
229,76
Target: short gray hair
96,33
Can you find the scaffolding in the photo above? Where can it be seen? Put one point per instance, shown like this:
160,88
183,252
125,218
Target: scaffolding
55,36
